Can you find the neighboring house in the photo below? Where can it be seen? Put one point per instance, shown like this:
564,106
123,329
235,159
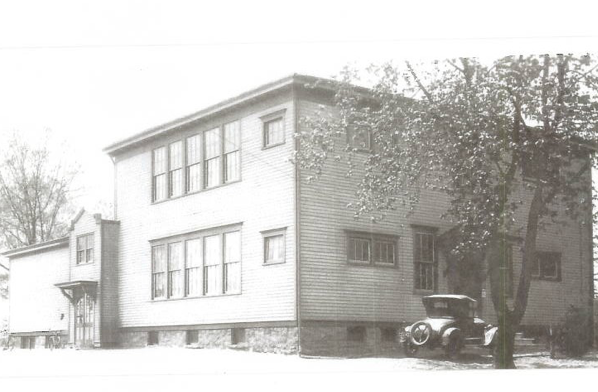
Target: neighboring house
218,240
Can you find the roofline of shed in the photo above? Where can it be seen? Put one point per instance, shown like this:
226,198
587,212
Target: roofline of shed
36,247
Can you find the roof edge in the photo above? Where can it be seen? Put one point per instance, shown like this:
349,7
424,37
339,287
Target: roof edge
36,247
278,84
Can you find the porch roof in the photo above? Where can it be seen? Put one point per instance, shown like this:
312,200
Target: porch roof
77,283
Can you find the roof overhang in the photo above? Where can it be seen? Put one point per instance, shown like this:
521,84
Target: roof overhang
43,246
242,99
77,283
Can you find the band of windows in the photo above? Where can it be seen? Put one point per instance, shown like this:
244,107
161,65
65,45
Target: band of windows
197,266
367,249
201,161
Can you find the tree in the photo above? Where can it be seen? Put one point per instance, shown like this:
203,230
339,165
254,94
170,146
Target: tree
508,143
34,193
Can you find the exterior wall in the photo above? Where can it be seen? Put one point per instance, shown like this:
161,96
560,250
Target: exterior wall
36,305
331,289
260,201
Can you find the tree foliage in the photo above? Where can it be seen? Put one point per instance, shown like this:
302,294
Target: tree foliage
35,185
507,142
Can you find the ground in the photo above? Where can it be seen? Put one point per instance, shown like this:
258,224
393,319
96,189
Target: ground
154,366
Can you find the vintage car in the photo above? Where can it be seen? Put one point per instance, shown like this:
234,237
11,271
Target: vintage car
451,323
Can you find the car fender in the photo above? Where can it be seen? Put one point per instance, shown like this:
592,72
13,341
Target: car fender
446,336
489,336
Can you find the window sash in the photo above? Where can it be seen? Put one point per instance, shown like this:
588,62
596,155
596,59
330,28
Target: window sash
232,166
424,258
232,137
359,250
160,187
273,132
212,172
194,177
176,182
274,248
384,252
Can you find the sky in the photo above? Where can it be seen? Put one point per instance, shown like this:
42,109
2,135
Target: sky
96,72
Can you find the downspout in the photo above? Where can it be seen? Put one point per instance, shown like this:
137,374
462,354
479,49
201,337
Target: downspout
297,219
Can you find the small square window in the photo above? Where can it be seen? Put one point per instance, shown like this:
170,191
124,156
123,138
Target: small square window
153,338
388,334
547,266
360,139
274,246
356,334
237,335
192,336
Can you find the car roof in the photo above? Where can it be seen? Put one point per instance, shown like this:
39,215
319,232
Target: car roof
449,296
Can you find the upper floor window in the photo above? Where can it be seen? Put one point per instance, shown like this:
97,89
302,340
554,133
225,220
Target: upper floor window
85,249
369,248
359,139
274,132
547,266
196,265
274,246
198,162
424,260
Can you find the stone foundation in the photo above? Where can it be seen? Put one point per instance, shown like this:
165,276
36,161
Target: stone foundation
263,339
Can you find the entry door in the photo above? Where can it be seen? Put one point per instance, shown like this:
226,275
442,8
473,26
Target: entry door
84,316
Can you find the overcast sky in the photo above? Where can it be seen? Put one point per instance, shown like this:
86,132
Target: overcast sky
97,72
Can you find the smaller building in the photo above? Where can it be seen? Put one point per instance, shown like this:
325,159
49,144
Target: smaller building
66,287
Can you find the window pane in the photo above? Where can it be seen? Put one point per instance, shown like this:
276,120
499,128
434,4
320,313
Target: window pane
160,160
194,253
549,266
160,187
231,164
159,284
193,178
212,143
81,243
176,182
232,277
274,132
274,248
212,175
175,256
176,155
193,273
194,281
89,255
193,149
384,252
232,137
175,284
211,279
212,250
232,247
159,258
359,249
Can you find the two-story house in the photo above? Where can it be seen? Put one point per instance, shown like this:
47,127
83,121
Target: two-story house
218,240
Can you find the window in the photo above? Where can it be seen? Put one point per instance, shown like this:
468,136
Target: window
388,334
159,186
360,139
193,281
85,249
274,246
193,163
547,266
153,338
232,262
201,161
424,259
274,132
356,334
237,335
371,249
175,173
175,270
197,264
192,336
232,143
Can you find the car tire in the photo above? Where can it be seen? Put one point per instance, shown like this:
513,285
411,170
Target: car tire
410,349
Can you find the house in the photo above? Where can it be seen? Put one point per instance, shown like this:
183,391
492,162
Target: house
218,240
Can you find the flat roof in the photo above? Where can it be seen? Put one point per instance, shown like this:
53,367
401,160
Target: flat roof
59,242
228,104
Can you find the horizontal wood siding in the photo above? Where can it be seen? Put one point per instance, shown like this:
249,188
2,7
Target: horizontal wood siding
332,289
35,303
262,200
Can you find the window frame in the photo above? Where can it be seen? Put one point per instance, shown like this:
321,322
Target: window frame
538,264
201,164
184,239
267,234
431,231
372,239
85,250
351,133
279,115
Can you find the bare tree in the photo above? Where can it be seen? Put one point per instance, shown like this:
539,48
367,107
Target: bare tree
35,185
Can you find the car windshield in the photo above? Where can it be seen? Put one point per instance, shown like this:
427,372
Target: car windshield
450,308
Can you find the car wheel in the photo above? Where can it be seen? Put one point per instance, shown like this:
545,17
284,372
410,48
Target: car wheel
453,348
410,349
420,333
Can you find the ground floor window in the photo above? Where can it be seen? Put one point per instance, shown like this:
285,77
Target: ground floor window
153,338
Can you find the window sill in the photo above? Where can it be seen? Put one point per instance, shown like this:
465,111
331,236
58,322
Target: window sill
156,300
83,264
195,192
370,264
272,146
277,262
